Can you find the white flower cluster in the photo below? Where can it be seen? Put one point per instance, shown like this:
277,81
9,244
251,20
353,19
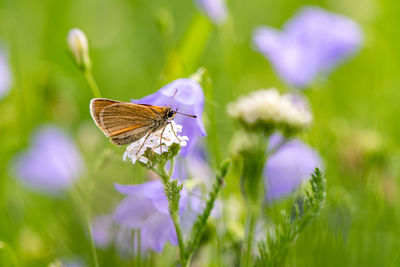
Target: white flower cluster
266,107
156,143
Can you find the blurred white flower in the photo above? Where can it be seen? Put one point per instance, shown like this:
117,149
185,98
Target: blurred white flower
79,47
156,143
267,109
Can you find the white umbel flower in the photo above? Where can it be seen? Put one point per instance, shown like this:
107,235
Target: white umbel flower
156,143
268,109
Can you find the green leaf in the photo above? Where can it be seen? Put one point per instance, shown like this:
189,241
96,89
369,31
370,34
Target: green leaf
274,249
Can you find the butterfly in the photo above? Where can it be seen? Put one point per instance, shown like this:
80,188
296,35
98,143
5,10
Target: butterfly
125,122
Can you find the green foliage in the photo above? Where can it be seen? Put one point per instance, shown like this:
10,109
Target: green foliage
200,223
360,224
274,250
172,191
7,256
157,161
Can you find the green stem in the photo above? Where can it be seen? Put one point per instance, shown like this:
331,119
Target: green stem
92,83
165,178
200,223
92,246
277,147
171,170
138,249
213,139
161,173
246,261
178,228
84,208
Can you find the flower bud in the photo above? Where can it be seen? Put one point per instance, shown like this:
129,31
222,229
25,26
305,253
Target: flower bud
79,48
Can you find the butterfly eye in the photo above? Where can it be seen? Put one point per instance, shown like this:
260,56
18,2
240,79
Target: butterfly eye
171,113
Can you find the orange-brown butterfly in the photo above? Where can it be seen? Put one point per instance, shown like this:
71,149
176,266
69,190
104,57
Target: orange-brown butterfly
125,123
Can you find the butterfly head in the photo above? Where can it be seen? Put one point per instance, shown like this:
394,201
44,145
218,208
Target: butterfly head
171,114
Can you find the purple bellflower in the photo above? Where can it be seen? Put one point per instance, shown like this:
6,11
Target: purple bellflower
102,230
313,42
5,75
195,171
106,232
52,163
189,99
194,166
215,9
287,168
146,208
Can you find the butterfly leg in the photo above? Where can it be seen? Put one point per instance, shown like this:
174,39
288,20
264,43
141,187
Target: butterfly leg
162,132
174,133
145,139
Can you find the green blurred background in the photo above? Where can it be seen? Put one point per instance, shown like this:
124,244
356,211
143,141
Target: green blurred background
133,47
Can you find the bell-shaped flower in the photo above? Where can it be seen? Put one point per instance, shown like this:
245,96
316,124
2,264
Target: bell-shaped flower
313,42
289,166
52,163
189,99
106,232
146,208
196,174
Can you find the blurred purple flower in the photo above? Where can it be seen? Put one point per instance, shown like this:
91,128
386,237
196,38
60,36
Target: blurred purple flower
146,208
72,262
5,75
52,163
288,167
314,41
189,99
194,166
197,174
102,230
215,9
106,232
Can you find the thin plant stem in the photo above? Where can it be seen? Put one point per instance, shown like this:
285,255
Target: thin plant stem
92,83
171,170
250,236
166,177
92,246
277,147
178,228
82,204
138,249
200,223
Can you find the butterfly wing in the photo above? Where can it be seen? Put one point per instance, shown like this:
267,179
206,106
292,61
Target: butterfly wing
124,122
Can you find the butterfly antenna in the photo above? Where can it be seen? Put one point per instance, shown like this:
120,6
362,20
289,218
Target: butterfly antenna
172,98
184,114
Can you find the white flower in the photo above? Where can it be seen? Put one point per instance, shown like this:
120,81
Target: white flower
156,143
268,109
79,47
